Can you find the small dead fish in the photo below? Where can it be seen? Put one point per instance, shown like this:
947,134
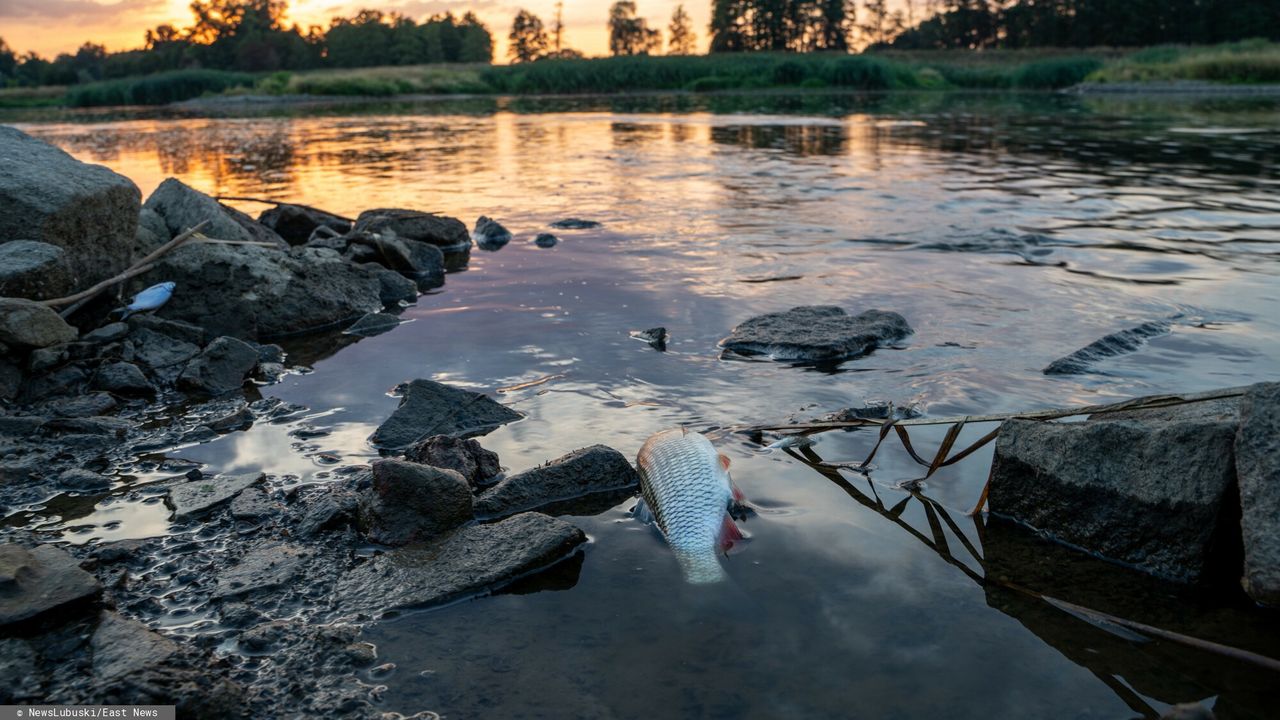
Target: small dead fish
792,441
686,485
152,298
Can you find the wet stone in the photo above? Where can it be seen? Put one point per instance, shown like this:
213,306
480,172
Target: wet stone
431,408
123,378
407,502
18,668
122,647
24,323
1118,343
464,456
39,582
107,333
186,332
490,235
262,569
1257,456
546,240
83,480
252,504
220,368
156,350
195,497
96,403
586,471
814,333
575,224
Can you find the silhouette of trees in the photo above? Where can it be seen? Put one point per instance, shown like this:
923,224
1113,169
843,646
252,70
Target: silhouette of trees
781,25
680,36
528,39
631,35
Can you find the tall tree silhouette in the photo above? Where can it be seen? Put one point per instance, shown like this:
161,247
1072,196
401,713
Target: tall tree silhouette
528,38
628,34
680,36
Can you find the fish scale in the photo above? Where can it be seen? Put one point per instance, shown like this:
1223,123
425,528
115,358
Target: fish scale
689,493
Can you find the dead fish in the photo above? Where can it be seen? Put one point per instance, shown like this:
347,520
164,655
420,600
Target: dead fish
792,441
686,485
150,299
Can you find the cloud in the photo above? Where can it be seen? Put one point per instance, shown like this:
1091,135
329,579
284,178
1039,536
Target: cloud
77,9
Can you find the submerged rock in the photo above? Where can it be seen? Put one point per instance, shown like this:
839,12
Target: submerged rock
1119,343
50,197
546,240
1257,454
196,497
431,408
1147,490
490,235
590,470
220,368
296,223
575,224
34,270
39,582
656,337
476,559
464,456
408,502
816,333
446,233
24,323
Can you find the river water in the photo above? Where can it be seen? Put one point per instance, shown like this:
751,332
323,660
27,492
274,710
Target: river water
1009,231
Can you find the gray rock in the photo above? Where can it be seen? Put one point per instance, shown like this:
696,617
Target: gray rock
296,223
546,240
1147,492
239,419
446,233
408,502
34,270
656,337
333,509
474,560
150,221
21,425
123,647
82,406
252,504
24,323
431,408
393,288
19,668
257,293
146,240
196,497
575,224
490,235
262,569
40,582
109,426
463,456
122,378
83,480
108,333
373,324
62,381
1118,343
184,331
816,333
156,350
590,470
10,379
220,368
1257,453
50,197
182,208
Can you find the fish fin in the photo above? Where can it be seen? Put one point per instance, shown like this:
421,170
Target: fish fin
730,535
738,497
642,513
724,461
125,313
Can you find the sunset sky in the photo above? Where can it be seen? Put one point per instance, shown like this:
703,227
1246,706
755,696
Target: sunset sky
53,26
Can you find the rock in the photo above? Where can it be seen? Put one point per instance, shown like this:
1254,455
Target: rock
408,502
184,331
296,223
373,324
50,197
656,337
239,419
156,350
590,470
88,405
122,378
1147,492
1257,454
421,261
220,368
196,497
1119,343
431,408
490,234
83,480
40,582
575,224
20,669
252,504
62,381
21,425
393,288
446,233
546,240
152,233
109,426
257,293
816,333
334,508
34,270
463,456
10,379
474,560
107,333
24,323
262,569
124,647
182,208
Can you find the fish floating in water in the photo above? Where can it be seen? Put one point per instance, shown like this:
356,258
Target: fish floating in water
792,441
150,299
686,485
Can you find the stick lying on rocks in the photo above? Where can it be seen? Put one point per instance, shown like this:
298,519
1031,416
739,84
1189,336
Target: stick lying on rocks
77,300
277,203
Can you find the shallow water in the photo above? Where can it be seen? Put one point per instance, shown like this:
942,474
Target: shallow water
1008,231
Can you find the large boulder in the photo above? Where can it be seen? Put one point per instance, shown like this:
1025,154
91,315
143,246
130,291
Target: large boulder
474,560
582,472
40,582
258,293
34,270
24,323
446,233
220,368
50,197
1149,489
408,502
183,207
1257,449
431,408
295,223
815,333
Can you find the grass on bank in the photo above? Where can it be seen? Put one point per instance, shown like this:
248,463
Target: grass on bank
1254,61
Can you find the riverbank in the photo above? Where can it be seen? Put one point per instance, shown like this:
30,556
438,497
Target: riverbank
1220,67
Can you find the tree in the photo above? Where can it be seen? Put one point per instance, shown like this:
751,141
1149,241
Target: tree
729,26
476,42
628,34
875,29
8,64
528,39
557,30
680,35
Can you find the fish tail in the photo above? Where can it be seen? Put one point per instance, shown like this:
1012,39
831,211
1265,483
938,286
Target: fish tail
701,568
